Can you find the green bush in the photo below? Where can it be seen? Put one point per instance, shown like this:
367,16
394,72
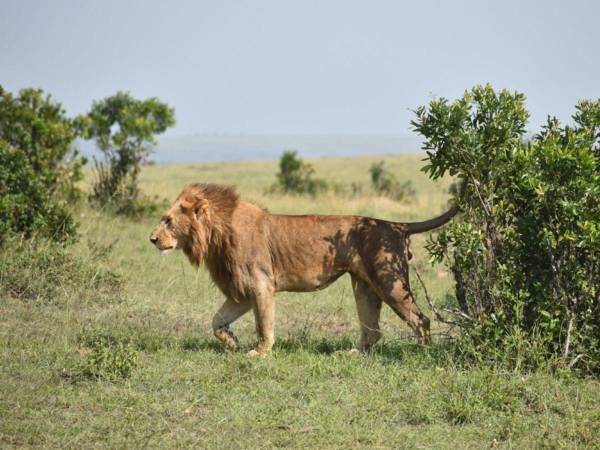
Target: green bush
107,358
297,177
385,183
38,126
26,206
525,253
39,169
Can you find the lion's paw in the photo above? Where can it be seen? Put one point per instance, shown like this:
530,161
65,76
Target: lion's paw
351,352
255,354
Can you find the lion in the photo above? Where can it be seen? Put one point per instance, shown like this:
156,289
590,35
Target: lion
252,254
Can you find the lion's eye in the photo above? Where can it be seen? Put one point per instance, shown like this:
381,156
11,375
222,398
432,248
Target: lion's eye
167,220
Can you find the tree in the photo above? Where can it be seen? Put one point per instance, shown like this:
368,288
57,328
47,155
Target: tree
125,130
525,252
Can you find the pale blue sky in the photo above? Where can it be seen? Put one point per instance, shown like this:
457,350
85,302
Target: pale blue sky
303,67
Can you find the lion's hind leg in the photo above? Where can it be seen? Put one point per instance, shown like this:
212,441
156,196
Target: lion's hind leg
400,299
368,306
228,313
392,286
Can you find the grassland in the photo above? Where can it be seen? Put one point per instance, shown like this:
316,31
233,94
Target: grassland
185,392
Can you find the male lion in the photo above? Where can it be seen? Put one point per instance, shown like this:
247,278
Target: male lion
252,254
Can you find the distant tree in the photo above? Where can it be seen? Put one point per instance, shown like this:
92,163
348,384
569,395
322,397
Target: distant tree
385,183
125,130
297,176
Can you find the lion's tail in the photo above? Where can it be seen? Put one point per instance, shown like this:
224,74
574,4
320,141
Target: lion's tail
427,225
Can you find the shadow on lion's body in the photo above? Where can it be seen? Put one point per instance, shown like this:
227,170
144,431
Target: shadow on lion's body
252,254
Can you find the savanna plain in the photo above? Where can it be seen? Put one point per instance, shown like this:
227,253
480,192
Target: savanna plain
162,380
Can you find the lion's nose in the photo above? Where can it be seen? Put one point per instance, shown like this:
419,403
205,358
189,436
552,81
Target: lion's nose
153,239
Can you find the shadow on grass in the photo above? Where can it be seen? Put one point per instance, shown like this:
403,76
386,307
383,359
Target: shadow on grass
315,346
321,346
393,350
398,351
389,351
199,344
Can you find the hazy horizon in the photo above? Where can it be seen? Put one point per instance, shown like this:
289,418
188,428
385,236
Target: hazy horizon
211,148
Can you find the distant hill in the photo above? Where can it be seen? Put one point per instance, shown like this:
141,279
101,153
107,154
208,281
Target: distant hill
212,148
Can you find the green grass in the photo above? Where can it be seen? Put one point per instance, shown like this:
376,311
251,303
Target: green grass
66,341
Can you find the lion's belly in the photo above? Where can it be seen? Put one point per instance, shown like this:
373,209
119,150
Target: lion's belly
307,281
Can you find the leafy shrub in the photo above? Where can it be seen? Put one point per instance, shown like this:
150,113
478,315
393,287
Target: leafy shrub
525,253
26,206
41,270
39,168
296,176
385,183
107,358
125,130
38,126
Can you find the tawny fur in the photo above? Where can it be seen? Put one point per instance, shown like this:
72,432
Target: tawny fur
252,254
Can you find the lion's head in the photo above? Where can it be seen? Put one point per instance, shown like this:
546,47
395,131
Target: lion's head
171,230
196,222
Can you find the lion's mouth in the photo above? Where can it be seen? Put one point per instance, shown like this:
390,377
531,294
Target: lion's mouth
165,250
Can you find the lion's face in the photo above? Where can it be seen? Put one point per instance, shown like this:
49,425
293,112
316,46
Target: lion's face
193,222
171,231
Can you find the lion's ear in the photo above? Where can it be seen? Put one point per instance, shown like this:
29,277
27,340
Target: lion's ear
185,207
201,209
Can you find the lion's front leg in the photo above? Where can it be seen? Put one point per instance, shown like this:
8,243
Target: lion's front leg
264,316
225,316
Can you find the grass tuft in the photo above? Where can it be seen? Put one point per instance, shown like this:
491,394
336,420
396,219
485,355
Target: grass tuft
44,271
